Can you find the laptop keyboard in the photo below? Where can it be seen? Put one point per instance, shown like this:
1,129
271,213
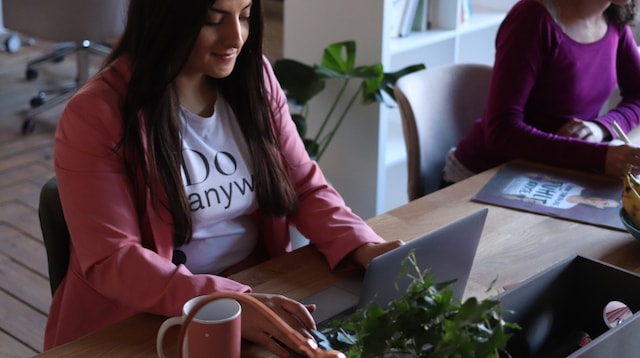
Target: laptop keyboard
335,300
325,336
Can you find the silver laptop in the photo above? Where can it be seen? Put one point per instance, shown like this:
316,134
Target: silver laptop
447,252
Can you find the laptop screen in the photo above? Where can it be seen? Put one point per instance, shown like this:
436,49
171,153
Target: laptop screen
447,252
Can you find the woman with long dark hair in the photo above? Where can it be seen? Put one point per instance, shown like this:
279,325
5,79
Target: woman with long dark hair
557,63
179,164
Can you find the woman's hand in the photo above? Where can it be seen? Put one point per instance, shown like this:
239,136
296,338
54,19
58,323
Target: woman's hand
365,253
618,156
258,329
585,130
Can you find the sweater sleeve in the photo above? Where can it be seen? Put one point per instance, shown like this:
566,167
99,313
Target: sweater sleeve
627,112
323,217
525,40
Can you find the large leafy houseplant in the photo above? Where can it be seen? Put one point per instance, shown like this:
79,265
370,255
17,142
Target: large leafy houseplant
427,321
302,82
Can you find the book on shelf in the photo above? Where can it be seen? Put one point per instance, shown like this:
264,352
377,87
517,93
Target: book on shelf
562,193
465,11
395,14
421,19
432,14
409,13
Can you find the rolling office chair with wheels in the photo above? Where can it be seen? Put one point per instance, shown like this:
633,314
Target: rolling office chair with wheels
10,42
54,232
438,105
78,27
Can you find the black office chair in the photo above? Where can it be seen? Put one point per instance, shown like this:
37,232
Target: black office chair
80,27
54,232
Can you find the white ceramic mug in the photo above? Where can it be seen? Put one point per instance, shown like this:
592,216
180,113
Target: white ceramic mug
214,331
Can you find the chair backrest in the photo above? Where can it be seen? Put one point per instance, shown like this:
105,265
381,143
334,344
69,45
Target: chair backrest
66,20
54,232
438,105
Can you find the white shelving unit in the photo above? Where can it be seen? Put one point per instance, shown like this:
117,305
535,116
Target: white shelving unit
367,161
2,29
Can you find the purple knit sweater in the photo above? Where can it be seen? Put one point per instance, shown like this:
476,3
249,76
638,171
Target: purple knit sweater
541,79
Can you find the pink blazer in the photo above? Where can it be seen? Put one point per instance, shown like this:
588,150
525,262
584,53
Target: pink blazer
121,245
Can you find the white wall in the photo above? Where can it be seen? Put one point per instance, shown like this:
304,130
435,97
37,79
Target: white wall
2,29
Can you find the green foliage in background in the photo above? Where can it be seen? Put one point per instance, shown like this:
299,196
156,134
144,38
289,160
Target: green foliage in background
302,82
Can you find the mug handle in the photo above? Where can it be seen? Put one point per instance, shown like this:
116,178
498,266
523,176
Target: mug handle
169,322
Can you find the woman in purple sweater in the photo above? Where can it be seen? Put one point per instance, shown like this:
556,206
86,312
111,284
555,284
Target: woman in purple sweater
557,63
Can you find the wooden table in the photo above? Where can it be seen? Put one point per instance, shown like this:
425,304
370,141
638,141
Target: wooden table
514,246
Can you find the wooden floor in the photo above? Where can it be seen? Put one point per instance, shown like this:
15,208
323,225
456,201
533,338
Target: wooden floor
25,164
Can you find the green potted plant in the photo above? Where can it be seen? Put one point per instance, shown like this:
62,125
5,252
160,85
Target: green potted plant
302,82
426,322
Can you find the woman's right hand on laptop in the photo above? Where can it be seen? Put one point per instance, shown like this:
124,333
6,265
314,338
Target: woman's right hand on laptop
365,253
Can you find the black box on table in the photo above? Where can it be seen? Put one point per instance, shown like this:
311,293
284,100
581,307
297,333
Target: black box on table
560,304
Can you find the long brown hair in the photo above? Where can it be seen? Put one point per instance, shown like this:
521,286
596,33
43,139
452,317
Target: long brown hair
621,14
158,39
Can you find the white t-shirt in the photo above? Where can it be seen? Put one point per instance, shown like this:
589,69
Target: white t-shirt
219,185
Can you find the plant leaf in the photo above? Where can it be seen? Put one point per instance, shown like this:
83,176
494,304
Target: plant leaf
312,148
390,79
301,124
427,321
340,57
299,81
302,82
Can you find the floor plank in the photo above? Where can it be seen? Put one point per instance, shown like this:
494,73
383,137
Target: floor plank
14,275
24,249
12,348
22,322
25,164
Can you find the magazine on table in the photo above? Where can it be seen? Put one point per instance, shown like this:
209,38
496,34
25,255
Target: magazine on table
568,194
